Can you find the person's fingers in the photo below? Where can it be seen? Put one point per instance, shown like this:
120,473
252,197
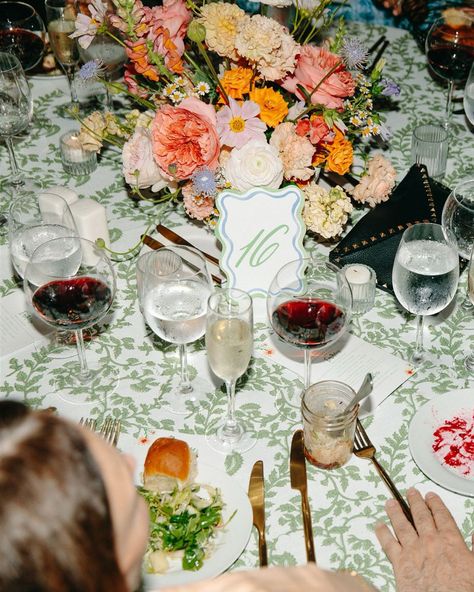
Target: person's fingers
403,530
421,513
442,517
388,542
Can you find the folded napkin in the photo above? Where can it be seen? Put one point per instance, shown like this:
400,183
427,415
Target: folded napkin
374,240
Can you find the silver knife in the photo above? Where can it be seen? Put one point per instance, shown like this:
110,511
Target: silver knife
257,501
298,481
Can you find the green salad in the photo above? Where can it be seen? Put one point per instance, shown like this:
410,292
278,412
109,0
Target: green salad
183,523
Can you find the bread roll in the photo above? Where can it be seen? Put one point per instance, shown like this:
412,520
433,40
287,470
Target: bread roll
169,463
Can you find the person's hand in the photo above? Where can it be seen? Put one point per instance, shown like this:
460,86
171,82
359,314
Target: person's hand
432,558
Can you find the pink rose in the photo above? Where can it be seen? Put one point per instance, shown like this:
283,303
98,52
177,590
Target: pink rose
174,16
185,138
139,168
312,65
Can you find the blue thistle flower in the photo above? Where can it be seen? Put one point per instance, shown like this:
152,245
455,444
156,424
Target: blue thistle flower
91,70
204,182
353,52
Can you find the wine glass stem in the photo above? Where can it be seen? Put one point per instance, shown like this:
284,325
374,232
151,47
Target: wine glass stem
70,72
307,368
84,372
17,177
418,353
449,103
109,104
230,428
185,384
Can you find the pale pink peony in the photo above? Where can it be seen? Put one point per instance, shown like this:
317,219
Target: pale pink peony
375,186
312,65
296,152
185,138
198,207
175,17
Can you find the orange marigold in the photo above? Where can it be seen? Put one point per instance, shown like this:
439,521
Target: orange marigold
273,107
236,82
341,154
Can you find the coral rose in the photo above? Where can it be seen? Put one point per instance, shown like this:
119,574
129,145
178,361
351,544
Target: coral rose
185,138
313,63
273,107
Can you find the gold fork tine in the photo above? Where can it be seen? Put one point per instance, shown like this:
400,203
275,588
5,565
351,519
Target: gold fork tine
116,434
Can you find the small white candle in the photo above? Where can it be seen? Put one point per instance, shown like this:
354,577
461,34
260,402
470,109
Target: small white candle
357,274
72,150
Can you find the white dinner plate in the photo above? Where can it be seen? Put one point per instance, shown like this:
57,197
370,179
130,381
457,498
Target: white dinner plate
420,438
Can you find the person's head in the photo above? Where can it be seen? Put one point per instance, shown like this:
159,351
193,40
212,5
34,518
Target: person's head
70,516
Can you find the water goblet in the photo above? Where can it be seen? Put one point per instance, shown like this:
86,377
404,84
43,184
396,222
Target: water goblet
309,306
229,343
70,283
174,287
425,275
22,32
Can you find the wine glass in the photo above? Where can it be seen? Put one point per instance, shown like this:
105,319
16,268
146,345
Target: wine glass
229,343
469,362
425,274
61,16
174,299
458,219
469,96
309,306
16,109
449,55
70,283
22,33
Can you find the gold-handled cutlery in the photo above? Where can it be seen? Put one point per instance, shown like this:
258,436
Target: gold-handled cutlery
109,429
363,448
257,501
299,481
179,240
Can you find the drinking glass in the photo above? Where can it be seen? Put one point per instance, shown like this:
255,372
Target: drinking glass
22,33
70,283
61,16
470,291
16,109
429,146
425,275
229,344
469,96
309,306
458,220
450,54
174,295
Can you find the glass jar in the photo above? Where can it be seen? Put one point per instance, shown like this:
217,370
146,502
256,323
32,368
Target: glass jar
328,427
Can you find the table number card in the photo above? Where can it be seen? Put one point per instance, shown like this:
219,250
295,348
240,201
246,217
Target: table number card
259,230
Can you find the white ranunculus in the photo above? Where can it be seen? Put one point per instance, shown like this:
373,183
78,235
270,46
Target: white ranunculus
256,164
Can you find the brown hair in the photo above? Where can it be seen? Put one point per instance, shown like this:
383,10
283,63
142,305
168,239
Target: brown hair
56,531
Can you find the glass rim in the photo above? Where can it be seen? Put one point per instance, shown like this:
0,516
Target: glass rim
434,125
103,254
455,194
32,9
176,249
9,61
242,295
335,419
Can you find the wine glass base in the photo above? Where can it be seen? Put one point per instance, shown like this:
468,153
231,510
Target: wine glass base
219,442
101,383
187,403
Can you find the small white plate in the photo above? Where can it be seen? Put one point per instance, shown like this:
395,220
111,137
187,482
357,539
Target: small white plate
420,438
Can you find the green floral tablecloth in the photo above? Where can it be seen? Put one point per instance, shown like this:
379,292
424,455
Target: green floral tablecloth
346,503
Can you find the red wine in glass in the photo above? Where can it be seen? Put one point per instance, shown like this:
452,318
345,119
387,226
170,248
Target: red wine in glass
308,322
451,63
26,45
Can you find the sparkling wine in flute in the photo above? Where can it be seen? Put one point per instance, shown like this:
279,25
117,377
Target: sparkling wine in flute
229,347
65,49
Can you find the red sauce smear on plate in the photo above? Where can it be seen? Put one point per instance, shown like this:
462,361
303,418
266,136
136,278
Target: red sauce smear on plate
454,444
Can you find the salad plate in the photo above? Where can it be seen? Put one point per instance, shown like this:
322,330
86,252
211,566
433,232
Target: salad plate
434,427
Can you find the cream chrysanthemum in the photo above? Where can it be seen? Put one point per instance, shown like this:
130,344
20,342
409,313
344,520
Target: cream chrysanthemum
296,152
326,212
222,21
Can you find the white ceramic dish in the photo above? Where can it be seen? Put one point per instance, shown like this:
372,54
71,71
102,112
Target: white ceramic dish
420,438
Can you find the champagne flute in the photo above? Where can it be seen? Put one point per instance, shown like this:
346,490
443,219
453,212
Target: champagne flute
174,287
450,55
425,275
16,109
70,283
469,362
61,16
22,33
229,343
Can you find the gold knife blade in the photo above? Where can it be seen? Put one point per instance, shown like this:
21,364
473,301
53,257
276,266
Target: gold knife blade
299,482
179,240
257,501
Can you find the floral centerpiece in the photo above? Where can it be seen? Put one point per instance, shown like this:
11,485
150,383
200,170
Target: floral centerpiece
226,99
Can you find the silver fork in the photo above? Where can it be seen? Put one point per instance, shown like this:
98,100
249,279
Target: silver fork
109,430
363,448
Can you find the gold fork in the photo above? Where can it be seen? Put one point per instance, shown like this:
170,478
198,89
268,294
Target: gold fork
363,448
109,430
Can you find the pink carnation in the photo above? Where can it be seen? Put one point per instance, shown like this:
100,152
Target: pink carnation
376,185
185,138
312,65
197,207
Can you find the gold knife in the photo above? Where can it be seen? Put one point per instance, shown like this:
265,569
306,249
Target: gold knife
257,501
179,240
298,481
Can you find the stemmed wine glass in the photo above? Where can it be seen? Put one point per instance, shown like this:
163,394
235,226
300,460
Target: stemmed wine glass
70,283
61,16
174,287
309,306
425,275
469,96
229,343
22,33
469,362
16,109
458,219
450,55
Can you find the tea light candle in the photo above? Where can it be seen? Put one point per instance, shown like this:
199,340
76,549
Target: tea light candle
362,280
357,274
72,149
76,160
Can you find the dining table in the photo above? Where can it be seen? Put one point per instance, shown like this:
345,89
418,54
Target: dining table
138,371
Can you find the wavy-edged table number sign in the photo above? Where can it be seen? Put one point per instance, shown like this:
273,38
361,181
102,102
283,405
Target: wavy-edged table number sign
259,230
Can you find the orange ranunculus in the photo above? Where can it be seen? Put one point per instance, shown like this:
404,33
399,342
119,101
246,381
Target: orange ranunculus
236,82
137,51
341,154
273,107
